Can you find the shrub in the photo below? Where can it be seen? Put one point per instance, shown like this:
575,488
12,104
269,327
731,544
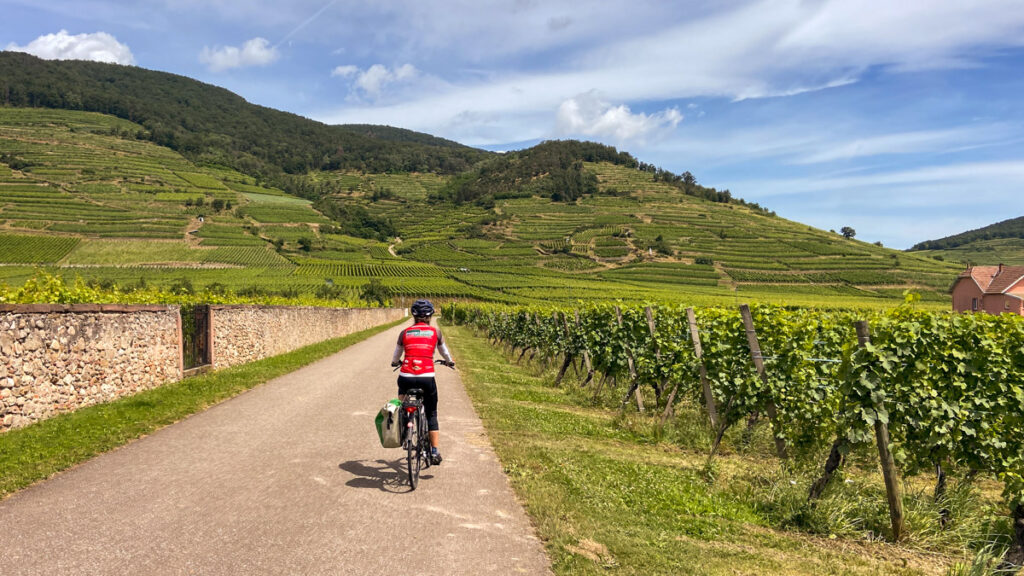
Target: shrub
375,291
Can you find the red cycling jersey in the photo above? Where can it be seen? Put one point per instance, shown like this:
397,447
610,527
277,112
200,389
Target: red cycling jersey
419,342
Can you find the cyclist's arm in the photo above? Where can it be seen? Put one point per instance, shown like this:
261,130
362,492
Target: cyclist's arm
442,347
399,348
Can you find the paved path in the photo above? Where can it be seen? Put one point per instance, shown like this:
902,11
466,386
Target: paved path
288,478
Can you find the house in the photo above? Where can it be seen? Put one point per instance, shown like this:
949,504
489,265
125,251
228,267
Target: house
992,289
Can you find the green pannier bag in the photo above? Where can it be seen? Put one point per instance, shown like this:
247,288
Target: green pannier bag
389,424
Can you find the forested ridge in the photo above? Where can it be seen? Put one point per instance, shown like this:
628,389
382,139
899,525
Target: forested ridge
210,124
1012,228
555,169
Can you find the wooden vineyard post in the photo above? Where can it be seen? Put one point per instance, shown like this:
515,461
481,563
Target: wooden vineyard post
698,351
657,351
889,472
586,355
634,388
755,354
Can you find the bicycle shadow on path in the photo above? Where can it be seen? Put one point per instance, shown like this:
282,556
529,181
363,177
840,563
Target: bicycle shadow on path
380,474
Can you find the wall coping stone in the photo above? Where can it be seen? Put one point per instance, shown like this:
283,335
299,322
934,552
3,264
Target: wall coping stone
278,307
84,308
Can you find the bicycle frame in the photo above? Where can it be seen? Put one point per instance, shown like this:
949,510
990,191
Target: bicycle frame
416,440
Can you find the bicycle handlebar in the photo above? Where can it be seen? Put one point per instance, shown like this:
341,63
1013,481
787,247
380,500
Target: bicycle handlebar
442,362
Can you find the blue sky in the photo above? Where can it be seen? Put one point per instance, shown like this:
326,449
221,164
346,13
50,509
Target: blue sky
903,120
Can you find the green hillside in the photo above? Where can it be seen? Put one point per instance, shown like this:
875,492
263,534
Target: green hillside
209,124
83,195
999,243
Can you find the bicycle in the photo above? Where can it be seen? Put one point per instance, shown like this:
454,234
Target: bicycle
417,435
416,441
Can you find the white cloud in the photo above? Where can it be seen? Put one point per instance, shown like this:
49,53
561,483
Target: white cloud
821,138
736,50
447,30
956,179
588,115
899,207
921,141
255,52
345,71
372,81
98,47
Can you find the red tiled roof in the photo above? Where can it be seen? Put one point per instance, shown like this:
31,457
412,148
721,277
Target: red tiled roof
991,280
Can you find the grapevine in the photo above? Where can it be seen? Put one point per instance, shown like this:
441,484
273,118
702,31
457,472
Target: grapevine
949,388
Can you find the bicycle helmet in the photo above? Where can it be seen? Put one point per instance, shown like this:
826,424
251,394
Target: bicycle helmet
422,309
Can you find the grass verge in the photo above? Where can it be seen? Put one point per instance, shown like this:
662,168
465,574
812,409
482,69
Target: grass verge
609,495
40,450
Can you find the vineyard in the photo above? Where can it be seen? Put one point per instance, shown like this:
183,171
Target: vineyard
924,392
34,249
125,208
367,270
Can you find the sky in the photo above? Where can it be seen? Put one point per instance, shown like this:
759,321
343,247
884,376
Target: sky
902,120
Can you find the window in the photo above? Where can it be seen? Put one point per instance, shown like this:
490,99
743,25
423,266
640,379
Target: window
974,304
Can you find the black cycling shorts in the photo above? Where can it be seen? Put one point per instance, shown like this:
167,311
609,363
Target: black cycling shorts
429,387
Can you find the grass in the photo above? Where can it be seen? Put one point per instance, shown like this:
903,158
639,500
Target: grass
38,451
613,494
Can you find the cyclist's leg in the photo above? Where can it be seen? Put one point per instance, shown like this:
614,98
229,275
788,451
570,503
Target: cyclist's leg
404,384
430,406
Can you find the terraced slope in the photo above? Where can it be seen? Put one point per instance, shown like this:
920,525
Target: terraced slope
999,243
1008,251
81,194
87,198
638,237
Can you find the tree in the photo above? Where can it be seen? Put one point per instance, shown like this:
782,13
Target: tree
847,232
375,292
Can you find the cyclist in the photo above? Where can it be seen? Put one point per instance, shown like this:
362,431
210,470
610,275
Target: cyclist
418,343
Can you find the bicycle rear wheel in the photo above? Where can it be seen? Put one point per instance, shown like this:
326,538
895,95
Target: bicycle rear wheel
424,440
412,454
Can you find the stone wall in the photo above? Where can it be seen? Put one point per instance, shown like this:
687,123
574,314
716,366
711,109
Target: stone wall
246,333
57,358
